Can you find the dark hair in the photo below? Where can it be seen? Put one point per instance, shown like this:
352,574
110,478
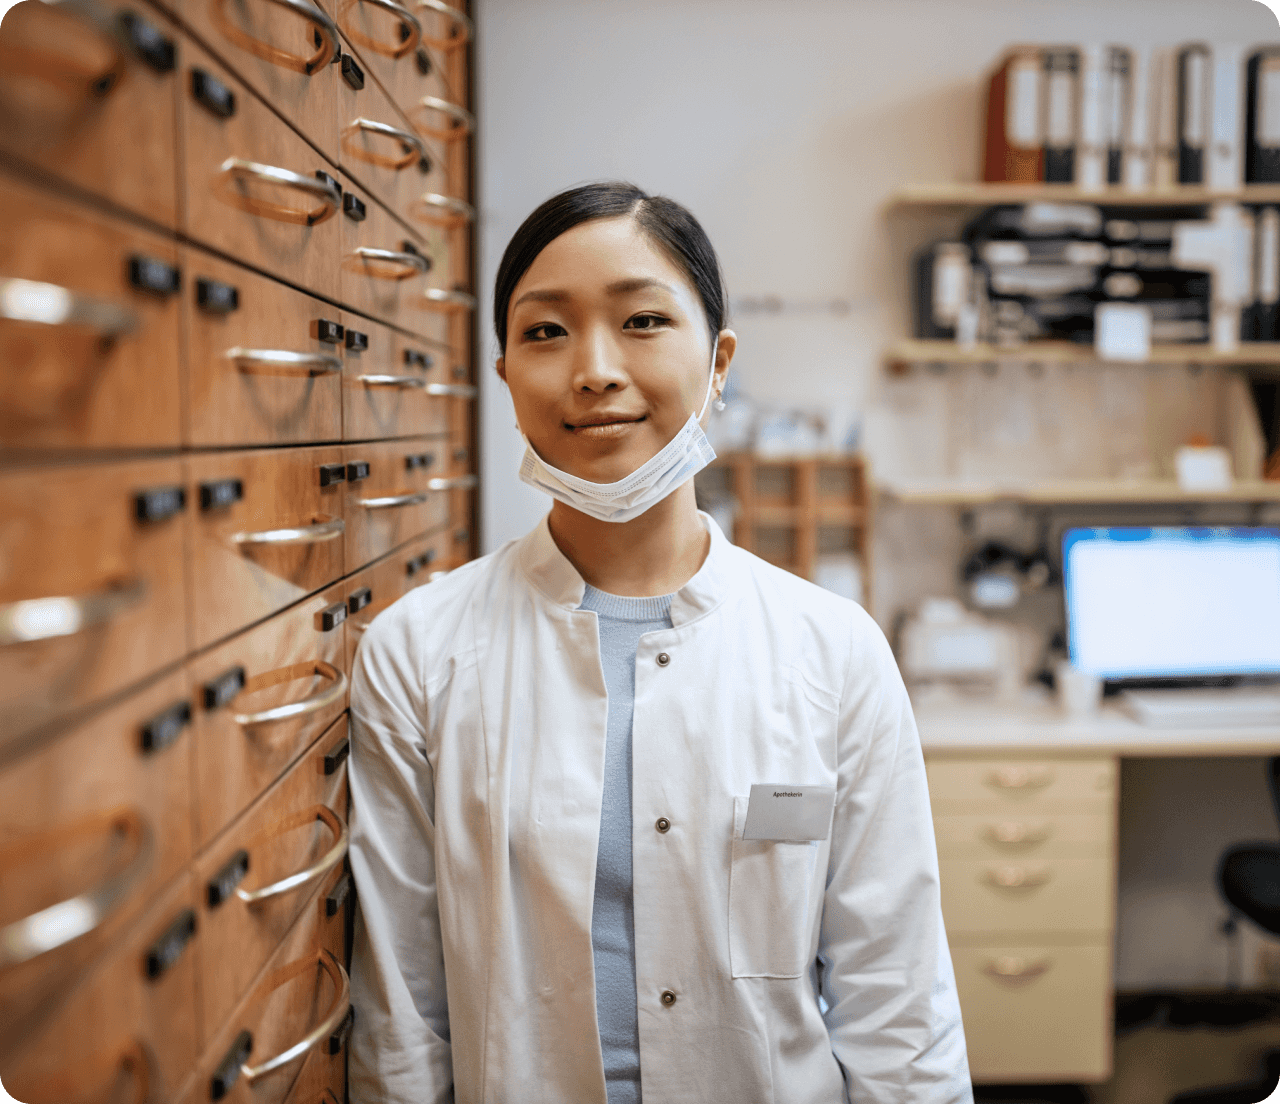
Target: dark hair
666,222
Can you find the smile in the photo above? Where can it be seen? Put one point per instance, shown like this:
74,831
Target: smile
614,427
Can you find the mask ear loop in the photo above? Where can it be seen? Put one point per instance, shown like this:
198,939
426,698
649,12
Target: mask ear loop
711,380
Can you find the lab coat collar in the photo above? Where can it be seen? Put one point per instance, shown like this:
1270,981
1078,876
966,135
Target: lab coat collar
552,575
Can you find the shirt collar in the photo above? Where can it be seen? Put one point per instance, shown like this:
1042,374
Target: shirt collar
552,575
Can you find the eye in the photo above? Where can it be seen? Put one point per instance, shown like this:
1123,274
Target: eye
544,332
646,322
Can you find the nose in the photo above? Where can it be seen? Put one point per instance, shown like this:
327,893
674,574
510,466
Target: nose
597,366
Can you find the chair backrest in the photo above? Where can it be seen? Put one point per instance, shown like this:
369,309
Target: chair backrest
1273,780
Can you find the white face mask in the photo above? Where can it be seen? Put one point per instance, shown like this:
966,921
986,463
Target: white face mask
686,454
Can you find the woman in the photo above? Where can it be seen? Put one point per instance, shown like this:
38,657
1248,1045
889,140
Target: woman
627,800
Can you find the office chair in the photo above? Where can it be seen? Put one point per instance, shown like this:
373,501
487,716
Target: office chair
1249,881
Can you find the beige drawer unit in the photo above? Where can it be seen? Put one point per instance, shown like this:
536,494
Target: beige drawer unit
1036,1012
1023,834
262,699
268,530
91,583
256,879
980,785
129,1030
283,51
254,189
264,362
396,490
1025,894
394,385
90,96
89,324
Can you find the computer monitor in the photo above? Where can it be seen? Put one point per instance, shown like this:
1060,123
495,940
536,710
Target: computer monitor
1173,603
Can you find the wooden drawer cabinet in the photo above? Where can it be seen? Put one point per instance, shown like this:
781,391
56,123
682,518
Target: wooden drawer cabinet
268,531
89,330
263,697
250,881
981,785
91,594
384,583
1025,894
282,54
400,497
250,181
1039,1012
396,387
264,362
95,112
1014,836
128,1032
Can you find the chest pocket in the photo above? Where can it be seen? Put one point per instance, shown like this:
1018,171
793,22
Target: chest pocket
769,887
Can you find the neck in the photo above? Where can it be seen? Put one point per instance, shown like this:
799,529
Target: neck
656,553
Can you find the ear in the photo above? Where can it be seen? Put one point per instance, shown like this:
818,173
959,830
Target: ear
501,365
724,357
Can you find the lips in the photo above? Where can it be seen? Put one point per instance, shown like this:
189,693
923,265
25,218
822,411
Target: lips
593,420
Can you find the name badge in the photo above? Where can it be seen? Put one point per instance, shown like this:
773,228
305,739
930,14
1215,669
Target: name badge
794,813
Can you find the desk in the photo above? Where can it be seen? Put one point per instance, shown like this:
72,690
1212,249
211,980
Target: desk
1026,813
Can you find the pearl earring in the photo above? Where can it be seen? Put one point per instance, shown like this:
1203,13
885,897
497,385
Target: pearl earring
719,403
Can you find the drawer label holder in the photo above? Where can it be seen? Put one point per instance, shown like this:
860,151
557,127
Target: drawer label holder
154,276
164,728
148,43
358,599
166,950
415,359
332,473
160,503
330,332
332,617
215,297
413,566
221,690
353,206
220,493
224,882
228,1071
212,94
333,758
337,895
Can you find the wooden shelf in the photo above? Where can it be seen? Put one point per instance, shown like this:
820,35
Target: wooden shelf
1097,492
979,194
822,514
904,353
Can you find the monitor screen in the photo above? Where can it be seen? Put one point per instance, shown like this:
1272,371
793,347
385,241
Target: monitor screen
1173,603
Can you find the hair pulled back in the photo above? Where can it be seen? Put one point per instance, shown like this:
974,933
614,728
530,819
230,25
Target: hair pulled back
664,221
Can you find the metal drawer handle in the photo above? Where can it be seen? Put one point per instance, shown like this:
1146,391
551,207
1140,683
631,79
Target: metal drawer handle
320,23
322,1030
46,618
322,699
61,71
1016,877
392,381
327,862
52,305
412,264
1020,778
388,501
282,362
442,210
316,533
1013,833
460,23
452,483
448,300
372,126
236,169
453,390
407,19
59,924
463,121
1016,969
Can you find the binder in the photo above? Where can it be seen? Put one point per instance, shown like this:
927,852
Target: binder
1194,76
1118,99
1164,118
1266,308
1262,116
1013,150
1137,172
944,287
1226,157
1091,152
1061,105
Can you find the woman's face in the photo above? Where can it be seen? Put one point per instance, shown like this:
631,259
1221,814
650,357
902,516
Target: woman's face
607,350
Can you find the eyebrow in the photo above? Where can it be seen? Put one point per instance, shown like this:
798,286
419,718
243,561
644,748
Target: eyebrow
618,287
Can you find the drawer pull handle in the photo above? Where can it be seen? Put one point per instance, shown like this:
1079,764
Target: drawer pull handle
460,28
322,1030
443,211
392,381
452,483
320,22
236,169
371,126
60,923
46,618
462,121
327,530
410,29
62,72
52,305
448,300
453,390
411,264
282,362
322,699
388,502
1016,877
328,861
1020,778
1013,834
1014,969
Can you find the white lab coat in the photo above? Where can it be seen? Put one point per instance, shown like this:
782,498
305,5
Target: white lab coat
479,713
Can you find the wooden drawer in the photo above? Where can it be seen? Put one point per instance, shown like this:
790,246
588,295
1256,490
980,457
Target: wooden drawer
260,372
397,387
303,993
382,584
981,785
263,697
275,51
385,41
128,1032
1003,895
287,228
267,533
1015,837
384,265
91,597
299,825
396,501
102,811
117,144
1038,1013
88,357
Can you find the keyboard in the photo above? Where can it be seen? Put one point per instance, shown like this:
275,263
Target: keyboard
1225,707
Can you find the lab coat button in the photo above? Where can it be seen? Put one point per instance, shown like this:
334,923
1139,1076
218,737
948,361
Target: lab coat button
663,824
668,997
663,659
